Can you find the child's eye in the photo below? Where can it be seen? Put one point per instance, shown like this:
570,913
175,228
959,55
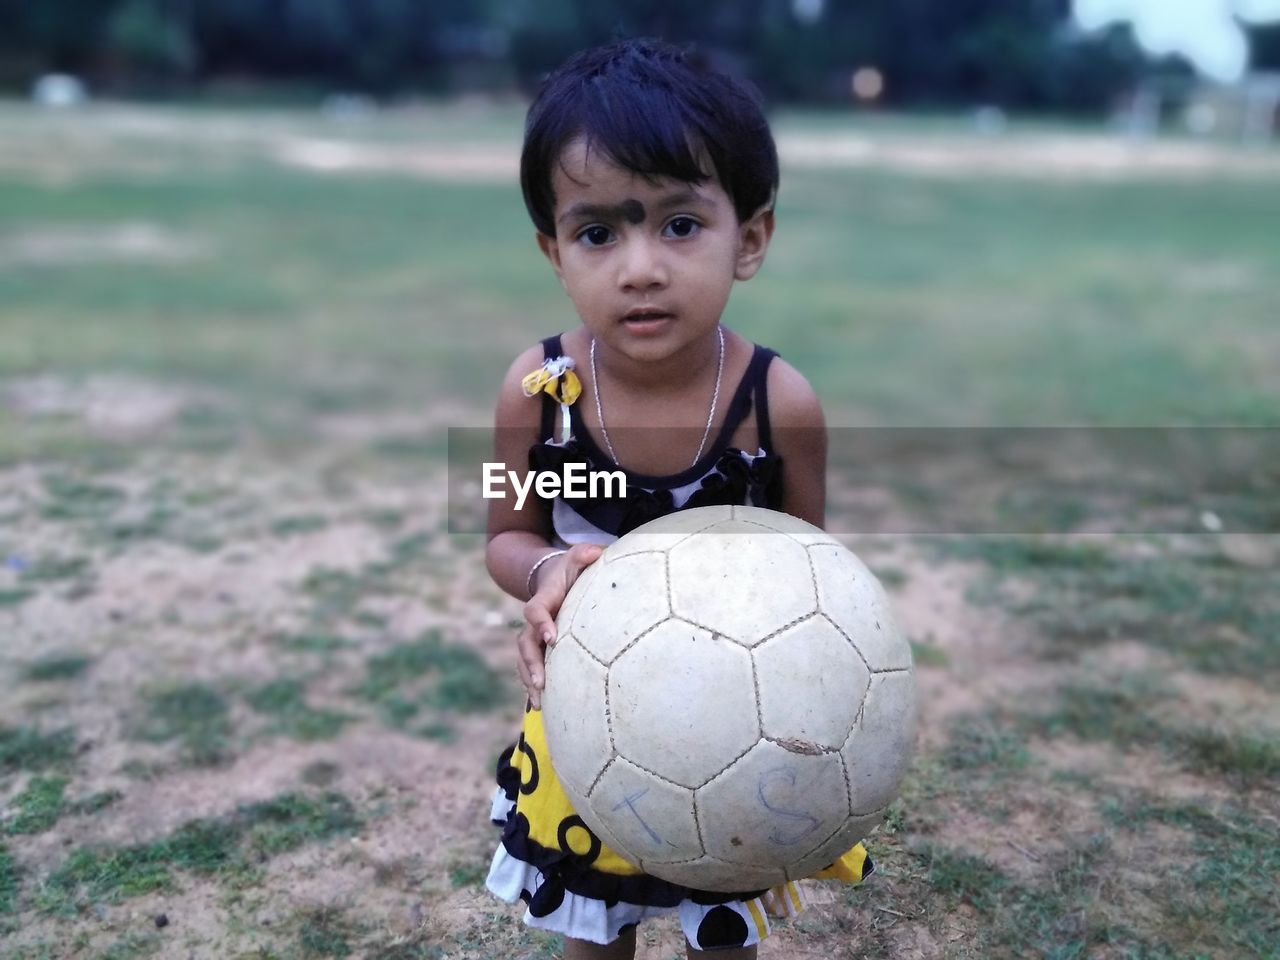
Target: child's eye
682,227
595,236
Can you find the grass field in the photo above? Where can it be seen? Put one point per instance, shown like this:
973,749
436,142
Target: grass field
251,690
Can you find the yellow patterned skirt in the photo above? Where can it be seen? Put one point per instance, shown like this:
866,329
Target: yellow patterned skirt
575,885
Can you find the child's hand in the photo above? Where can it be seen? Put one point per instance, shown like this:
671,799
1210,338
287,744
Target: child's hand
554,579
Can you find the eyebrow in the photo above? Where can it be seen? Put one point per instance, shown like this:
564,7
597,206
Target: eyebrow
614,212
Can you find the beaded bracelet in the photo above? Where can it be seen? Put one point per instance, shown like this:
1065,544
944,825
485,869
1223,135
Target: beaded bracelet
534,569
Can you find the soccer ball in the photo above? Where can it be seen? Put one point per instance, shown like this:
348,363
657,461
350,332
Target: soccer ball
729,704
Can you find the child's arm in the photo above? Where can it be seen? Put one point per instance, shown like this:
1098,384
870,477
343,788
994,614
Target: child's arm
800,439
518,539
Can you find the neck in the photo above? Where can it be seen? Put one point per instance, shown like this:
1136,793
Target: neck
697,361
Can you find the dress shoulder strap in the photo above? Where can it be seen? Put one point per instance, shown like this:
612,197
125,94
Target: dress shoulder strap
749,393
550,348
759,372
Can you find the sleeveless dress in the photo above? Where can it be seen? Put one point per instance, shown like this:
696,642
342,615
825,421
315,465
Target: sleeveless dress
571,882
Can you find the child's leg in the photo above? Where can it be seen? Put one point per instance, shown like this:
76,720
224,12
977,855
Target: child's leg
737,953
624,948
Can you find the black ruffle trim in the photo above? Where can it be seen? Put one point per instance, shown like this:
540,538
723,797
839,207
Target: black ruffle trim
573,872
731,480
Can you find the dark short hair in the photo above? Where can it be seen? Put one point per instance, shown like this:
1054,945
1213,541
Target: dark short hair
657,110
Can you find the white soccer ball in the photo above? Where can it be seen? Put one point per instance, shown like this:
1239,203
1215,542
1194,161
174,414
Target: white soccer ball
729,704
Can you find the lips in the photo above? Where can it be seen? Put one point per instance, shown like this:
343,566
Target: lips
641,315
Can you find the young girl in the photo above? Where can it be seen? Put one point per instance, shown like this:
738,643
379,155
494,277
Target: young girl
651,181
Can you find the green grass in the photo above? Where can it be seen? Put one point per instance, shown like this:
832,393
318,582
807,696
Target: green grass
985,742
276,826
8,880
906,319
132,945
925,654
72,498
300,523
326,932
60,666
1245,755
1230,875
52,569
1134,713
39,806
1064,913
94,802
313,642
457,680
22,748
214,847
1217,617
194,714
285,701
14,596
338,593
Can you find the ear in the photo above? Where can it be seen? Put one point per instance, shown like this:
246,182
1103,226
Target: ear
550,248
753,241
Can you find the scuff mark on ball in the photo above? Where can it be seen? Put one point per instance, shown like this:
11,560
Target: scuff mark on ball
796,745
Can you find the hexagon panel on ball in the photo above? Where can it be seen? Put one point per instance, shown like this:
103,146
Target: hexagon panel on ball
832,848
773,806
651,819
811,683
574,716
878,751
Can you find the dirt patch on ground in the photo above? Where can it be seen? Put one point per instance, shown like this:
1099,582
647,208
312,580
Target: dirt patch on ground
990,662
113,407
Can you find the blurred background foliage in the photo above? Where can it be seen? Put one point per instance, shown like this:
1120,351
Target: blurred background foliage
1017,54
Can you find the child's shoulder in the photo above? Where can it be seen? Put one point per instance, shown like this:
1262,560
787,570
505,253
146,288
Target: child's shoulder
514,407
792,400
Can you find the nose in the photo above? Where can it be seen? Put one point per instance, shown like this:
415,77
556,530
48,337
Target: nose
642,266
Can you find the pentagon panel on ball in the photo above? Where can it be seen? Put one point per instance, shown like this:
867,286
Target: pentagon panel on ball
665,532
742,579
731,705
682,703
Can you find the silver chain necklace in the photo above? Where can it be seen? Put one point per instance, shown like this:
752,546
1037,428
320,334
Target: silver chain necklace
711,415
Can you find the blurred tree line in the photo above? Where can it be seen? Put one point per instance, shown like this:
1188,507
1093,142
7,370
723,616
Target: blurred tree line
1021,54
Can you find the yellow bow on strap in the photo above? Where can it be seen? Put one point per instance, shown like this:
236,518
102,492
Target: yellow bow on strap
555,378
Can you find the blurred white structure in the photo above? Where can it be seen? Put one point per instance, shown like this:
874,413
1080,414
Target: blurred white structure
58,90
1208,33
1249,110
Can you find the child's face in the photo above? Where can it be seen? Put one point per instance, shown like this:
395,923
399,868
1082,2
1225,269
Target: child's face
648,264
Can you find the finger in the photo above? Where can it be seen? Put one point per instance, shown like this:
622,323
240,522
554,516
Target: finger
531,655
579,557
530,691
537,613
523,669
